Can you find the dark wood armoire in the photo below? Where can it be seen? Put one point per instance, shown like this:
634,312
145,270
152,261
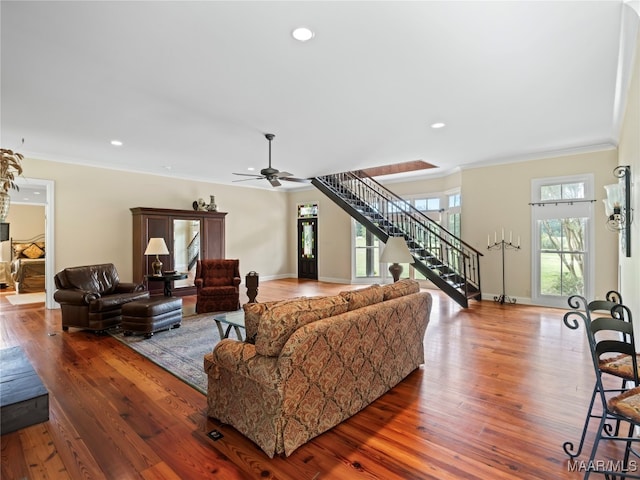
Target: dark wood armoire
190,235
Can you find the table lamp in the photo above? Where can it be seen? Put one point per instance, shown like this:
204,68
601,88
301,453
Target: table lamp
156,247
396,252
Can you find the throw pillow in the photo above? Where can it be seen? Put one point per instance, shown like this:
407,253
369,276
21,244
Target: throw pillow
278,323
363,297
33,251
400,288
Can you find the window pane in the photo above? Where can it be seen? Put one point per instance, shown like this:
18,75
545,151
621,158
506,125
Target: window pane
454,200
307,240
562,256
420,204
433,204
551,192
573,190
454,224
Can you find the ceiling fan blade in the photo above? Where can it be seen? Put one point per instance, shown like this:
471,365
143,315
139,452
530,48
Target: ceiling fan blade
246,179
283,174
274,181
248,175
294,179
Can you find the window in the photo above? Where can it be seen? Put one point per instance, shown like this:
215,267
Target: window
562,234
453,214
427,204
367,252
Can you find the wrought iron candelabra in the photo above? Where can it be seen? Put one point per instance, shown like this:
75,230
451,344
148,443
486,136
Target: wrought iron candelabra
502,246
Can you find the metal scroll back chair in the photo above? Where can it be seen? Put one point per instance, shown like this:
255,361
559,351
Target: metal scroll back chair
621,366
612,337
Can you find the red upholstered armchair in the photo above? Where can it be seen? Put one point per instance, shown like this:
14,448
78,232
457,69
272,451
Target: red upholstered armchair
217,284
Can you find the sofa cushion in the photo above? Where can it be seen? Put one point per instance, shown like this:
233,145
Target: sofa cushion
400,288
280,321
253,313
363,297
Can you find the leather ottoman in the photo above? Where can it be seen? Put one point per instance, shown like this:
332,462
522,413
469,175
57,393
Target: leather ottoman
151,315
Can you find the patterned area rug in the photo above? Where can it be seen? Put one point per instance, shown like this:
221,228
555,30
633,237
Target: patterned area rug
179,350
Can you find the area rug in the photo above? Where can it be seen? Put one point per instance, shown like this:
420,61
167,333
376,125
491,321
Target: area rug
26,298
179,350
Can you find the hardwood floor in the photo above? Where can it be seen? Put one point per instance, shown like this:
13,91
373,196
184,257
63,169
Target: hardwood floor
502,388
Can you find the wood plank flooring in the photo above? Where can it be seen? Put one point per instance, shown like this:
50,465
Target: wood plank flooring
502,388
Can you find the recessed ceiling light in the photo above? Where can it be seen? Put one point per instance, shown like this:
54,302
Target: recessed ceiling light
36,193
438,125
116,143
302,34
251,169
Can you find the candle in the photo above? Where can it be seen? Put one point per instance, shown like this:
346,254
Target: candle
518,240
503,233
511,236
488,241
495,237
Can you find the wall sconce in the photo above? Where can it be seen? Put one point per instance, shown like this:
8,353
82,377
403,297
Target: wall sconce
156,247
617,206
396,252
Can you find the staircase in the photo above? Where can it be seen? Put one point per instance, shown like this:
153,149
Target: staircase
451,264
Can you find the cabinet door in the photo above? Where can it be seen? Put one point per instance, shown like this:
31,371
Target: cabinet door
213,238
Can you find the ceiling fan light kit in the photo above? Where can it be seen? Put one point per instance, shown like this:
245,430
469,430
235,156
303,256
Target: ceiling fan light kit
273,175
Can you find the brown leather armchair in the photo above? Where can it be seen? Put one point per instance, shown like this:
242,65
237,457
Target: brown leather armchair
217,285
91,296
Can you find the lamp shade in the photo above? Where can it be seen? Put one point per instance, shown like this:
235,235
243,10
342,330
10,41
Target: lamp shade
396,251
615,196
156,246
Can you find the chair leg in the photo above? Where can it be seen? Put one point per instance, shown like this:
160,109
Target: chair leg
568,446
612,470
594,449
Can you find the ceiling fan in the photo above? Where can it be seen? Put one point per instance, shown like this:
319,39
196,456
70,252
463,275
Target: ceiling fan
270,173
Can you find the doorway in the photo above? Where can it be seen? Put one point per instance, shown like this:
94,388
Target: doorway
308,248
47,200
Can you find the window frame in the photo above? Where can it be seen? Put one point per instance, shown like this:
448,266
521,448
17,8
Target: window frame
548,209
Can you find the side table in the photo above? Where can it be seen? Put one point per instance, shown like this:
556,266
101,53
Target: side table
167,278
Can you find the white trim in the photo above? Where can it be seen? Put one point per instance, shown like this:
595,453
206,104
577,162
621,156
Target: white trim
49,235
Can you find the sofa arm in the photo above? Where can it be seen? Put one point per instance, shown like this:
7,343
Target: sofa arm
236,281
75,297
241,358
128,287
198,282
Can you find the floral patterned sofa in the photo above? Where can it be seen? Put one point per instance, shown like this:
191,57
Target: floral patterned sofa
310,363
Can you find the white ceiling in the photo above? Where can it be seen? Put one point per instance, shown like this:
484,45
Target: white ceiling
190,88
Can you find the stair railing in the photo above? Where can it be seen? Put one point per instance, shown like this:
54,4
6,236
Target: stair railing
396,216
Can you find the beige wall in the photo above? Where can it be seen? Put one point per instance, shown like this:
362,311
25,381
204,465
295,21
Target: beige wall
26,221
498,197
93,221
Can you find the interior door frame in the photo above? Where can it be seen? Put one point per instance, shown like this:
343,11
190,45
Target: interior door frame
49,237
